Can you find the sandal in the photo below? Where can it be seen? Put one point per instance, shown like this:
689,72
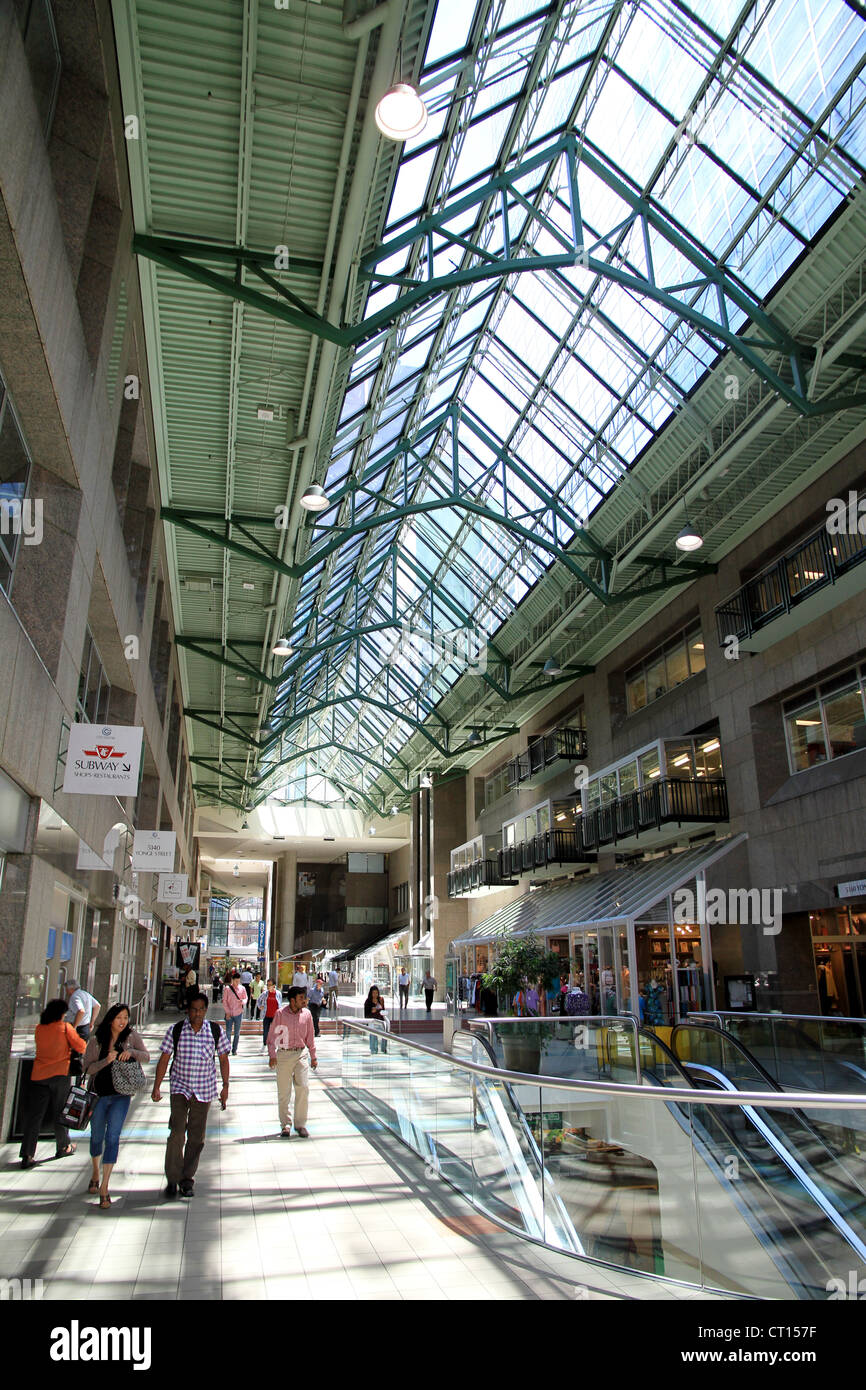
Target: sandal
104,1199
67,1152
93,1187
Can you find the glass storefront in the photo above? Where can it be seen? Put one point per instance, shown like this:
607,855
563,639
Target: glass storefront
839,942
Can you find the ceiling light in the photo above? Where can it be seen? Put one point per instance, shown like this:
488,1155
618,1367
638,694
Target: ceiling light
474,737
711,746
265,412
689,538
698,646
808,723
250,588
282,647
371,830
401,113
552,667
315,499
246,825
426,781
681,761
236,871
328,838
395,811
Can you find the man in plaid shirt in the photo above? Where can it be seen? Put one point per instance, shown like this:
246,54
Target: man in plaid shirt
193,1088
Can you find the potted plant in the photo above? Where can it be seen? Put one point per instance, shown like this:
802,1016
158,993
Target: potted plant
519,962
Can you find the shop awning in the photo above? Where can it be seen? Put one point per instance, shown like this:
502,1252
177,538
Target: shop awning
364,947
622,895
423,946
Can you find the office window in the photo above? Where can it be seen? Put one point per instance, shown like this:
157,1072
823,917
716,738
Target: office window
496,785
14,476
826,723
401,897
94,689
665,669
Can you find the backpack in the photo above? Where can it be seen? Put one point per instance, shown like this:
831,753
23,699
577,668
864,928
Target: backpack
175,1038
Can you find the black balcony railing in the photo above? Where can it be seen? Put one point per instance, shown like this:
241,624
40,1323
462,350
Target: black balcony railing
816,561
544,750
671,800
551,847
481,873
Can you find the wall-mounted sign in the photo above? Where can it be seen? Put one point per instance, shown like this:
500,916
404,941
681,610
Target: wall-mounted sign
103,760
52,943
154,850
189,919
855,888
67,940
173,888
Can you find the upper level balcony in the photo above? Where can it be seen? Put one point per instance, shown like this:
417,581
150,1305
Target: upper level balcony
543,752
815,575
475,869
646,798
543,855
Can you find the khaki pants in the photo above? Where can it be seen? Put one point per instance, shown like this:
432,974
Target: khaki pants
293,1067
188,1121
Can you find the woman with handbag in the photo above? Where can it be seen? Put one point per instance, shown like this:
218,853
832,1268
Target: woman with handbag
49,1081
114,1058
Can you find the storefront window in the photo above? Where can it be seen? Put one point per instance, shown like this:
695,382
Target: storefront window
654,976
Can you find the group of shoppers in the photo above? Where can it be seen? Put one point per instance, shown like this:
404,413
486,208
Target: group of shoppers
68,1029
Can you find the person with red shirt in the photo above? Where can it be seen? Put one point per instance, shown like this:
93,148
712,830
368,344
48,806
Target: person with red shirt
49,1081
268,1004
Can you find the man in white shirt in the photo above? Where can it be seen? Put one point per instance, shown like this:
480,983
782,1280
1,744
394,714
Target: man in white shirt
333,988
403,982
82,1014
300,979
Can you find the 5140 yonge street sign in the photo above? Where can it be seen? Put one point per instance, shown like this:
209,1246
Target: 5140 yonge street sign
103,760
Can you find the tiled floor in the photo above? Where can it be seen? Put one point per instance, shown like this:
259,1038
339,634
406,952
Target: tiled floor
348,1214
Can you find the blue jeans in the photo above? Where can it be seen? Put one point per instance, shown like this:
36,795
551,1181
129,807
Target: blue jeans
106,1123
233,1030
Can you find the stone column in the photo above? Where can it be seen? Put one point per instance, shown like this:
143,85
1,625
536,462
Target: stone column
13,916
449,917
283,926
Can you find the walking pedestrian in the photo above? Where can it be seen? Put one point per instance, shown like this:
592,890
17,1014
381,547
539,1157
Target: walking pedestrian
192,1087
234,1000
82,1012
114,1041
403,983
268,1004
49,1081
256,990
374,1008
292,1051
315,1000
247,981
431,984
300,979
333,988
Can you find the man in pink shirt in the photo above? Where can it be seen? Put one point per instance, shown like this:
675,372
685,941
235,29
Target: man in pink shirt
292,1051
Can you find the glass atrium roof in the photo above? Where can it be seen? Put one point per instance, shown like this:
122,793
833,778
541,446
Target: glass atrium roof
743,124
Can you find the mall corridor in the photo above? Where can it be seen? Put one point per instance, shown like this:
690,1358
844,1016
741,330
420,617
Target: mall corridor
349,1213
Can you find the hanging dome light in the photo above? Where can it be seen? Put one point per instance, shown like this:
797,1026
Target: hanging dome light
552,667
282,647
689,538
426,781
401,113
474,738
315,499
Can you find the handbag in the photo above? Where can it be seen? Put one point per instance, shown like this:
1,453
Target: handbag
128,1077
78,1107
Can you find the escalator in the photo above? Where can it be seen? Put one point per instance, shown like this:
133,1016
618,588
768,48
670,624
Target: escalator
805,1203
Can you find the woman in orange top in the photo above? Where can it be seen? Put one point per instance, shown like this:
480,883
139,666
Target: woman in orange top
49,1080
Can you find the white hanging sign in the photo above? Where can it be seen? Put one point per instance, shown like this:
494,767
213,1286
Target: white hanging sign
173,888
103,760
154,849
88,860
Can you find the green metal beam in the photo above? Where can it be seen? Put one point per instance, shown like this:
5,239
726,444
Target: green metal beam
724,296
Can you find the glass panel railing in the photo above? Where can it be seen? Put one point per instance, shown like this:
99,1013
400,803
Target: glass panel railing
697,1185
582,1049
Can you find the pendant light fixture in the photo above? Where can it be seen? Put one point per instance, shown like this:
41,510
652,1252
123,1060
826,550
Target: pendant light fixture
401,112
690,537
315,499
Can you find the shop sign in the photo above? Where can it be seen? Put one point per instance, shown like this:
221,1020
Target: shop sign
103,760
154,850
88,860
172,888
855,888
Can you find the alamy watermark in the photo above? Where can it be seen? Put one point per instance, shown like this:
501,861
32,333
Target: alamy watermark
750,907
847,516
852,1289
22,518
21,1290
464,647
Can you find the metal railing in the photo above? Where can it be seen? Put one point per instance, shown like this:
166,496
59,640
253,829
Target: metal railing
139,1012
670,800
813,563
544,750
628,1175
481,873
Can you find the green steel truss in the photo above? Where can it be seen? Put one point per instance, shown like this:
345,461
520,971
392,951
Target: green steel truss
708,295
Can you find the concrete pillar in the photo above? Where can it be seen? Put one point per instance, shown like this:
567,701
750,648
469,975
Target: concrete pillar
13,915
283,932
450,917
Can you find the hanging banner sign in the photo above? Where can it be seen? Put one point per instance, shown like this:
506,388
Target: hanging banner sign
103,760
186,919
88,860
172,888
154,849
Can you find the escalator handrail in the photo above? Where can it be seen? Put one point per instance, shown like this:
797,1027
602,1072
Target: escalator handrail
783,1153
733,1042
792,1021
